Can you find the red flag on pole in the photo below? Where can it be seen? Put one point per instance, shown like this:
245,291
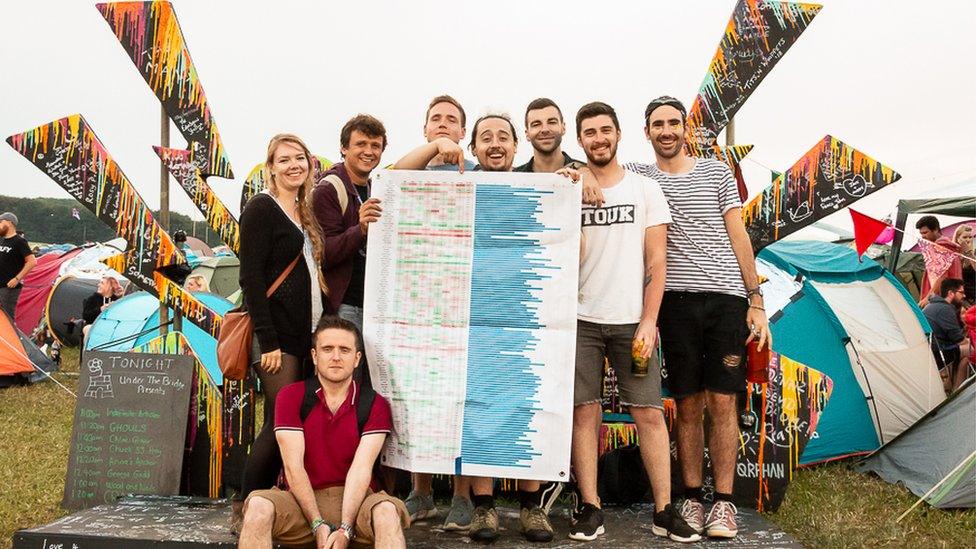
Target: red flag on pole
866,230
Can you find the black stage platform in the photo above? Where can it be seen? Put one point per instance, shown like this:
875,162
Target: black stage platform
182,522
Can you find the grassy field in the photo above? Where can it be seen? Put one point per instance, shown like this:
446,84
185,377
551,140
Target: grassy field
828,506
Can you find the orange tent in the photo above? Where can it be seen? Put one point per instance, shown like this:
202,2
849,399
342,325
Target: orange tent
19,355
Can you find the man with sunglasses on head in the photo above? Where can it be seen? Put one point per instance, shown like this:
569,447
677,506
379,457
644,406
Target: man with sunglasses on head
712,307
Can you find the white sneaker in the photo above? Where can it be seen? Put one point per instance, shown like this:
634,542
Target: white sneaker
694,514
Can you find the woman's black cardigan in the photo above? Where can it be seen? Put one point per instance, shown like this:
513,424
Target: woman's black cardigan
269,242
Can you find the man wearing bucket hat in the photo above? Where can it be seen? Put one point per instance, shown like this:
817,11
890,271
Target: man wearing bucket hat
16,260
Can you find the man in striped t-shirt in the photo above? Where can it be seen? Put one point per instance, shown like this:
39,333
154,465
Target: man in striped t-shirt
712,307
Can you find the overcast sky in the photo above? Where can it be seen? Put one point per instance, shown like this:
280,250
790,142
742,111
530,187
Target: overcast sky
894,79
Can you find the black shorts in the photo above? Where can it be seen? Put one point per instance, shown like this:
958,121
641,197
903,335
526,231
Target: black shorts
703,338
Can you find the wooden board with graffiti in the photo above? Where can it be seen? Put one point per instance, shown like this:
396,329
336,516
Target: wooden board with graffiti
70,153
204,433
182,168
151,36
221,425
757,36
732,156
830,176
785,413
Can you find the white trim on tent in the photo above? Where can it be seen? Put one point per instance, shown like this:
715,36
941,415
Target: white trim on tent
779,289
890,354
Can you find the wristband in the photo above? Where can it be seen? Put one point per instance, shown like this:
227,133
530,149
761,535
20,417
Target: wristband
757,307
316,524
348,530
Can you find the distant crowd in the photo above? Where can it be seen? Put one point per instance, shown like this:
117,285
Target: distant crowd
947,297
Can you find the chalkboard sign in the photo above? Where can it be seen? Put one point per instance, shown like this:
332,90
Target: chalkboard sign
130,426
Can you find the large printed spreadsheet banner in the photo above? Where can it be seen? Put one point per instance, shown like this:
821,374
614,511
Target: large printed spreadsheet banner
470,320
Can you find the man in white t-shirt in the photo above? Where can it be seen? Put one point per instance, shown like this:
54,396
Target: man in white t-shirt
621,282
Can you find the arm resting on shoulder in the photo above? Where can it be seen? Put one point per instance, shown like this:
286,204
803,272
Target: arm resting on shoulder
417,159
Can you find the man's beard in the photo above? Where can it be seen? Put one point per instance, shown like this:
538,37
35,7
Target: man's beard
557,141
602,163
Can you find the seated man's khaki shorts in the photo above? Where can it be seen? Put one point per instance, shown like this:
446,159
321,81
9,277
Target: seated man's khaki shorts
292,528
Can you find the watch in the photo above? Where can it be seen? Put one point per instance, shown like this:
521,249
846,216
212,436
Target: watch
348,530
755,291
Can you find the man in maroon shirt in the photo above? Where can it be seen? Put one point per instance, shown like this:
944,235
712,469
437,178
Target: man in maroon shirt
328,463
344,210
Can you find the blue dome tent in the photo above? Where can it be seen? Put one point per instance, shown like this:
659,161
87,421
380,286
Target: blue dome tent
856,323
117,327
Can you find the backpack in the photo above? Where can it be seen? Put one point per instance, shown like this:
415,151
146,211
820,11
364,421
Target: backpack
340,189
365,405
622,478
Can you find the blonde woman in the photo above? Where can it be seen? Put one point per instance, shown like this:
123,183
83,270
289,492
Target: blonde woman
278,230
963,237
108,290
196,283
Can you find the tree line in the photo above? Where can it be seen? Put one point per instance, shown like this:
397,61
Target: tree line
50,221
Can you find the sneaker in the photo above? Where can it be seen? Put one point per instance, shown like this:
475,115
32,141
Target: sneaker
550,493
587,524
721,520
484,524
534,524
669,524
459,517
419,506
576,503
694,514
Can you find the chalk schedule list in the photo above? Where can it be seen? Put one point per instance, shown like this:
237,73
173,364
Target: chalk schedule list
129,428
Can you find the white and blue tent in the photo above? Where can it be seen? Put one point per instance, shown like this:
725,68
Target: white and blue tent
856,323
134,321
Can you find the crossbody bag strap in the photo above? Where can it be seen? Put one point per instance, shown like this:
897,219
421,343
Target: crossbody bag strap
281,278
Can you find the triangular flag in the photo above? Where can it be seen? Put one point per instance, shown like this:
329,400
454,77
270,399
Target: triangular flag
866,230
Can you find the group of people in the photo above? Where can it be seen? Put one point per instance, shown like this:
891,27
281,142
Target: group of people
947,296
663,250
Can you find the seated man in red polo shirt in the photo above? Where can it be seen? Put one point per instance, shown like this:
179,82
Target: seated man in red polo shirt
328,463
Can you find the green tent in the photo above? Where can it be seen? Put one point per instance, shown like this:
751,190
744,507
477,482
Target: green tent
222,274
934,458
959,206
910,268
